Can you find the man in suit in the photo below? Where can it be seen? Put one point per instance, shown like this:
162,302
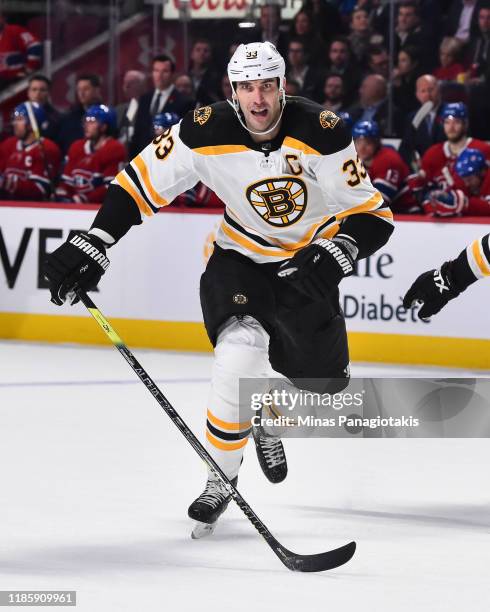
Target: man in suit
373,105
416,140
163,98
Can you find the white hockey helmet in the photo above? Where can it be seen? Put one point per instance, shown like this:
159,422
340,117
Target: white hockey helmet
254,61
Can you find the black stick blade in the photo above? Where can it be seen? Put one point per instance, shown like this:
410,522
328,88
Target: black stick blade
316,563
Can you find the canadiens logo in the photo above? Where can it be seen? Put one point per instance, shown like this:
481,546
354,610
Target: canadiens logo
328,119
279,201
201,115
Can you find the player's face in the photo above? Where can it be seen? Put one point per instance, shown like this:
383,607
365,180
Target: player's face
366,148
260,102
473,183
91,129
455,129
21,127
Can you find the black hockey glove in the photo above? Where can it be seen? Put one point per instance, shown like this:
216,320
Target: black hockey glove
433,289
317,269
77,264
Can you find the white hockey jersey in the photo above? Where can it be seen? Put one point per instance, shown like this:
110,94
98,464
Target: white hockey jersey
279,195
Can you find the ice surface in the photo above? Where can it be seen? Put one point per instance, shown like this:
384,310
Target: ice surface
95,483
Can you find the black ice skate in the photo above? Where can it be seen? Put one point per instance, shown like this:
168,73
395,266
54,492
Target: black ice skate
271,455
208,507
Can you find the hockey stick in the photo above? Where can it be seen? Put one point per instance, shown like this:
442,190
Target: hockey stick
37,136
299,563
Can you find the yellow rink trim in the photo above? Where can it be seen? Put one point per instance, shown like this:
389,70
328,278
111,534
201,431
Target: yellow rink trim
190,336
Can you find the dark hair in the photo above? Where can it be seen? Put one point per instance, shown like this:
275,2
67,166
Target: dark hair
298,41
40,77
413,53
410,4
376,50
164,58
94,79
201,40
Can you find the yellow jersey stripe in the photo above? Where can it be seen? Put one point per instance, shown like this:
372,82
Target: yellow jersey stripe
475,249
227,425
139,162
299,146
252,246
221,149
368,206
127,185
230,446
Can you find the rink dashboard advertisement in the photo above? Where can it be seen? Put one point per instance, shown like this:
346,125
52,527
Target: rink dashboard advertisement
152,287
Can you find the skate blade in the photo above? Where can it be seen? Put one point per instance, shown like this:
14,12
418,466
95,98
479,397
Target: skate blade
202,530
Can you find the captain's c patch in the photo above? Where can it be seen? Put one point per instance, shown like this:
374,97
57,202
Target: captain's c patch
279,201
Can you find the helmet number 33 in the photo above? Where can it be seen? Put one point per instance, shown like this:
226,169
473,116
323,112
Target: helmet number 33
164,144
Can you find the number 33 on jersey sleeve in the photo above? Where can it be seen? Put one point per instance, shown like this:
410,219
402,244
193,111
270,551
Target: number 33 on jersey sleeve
280,195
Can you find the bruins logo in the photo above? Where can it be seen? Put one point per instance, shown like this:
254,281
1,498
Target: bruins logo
279,201
328,119
201,115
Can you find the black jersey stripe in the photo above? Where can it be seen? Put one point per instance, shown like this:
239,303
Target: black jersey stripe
486,247
243,231
131,172
226,435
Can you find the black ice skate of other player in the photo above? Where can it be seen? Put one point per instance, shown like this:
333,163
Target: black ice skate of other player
317,269
434,289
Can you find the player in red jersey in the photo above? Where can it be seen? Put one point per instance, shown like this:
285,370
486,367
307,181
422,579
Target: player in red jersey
385,166
437,166
28,165
471,167
20,52
93,161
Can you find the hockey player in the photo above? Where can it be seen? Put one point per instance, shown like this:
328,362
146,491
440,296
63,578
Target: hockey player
435,288
300,209
385,167
93,161
162,121
437,165
474,197
28,164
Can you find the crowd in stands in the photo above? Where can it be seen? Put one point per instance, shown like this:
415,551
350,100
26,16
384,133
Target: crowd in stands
336,54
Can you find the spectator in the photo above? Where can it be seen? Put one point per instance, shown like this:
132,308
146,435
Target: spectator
38,90
361,35
269,21
93,161
133,87
479,51
301,72
450,68
326,16
88,93
304,30
437,166
183,84
385,167
339,62
373,105
20,52
378,61
409,32
460,20
405,76
333,91
205,79
292,88
163,98
226,90
28,167
429,130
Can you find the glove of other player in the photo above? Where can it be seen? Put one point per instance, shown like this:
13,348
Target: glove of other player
433,289
317,269
445,203
77,264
